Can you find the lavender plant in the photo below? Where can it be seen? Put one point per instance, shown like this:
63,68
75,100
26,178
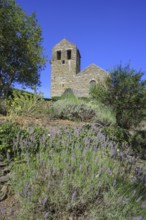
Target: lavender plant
79,172
82,110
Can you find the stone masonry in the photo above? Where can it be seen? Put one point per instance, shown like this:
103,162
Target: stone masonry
66,71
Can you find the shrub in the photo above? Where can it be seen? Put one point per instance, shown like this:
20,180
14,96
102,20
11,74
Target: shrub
81,110
3,109
55,98
15,141
99,92
25,104
84,174
118,134
68,94
138,143
126,93
8,133
75,112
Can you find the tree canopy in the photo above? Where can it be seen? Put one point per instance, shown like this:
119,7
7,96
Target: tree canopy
125,92
21,52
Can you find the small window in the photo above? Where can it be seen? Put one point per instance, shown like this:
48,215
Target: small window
59,55
69,54
63,61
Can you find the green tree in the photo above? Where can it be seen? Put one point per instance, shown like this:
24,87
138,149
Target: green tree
127,95
125,92
21,52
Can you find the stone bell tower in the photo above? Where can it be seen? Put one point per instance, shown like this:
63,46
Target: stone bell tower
65,67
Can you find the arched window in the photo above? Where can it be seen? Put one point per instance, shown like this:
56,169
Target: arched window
92,83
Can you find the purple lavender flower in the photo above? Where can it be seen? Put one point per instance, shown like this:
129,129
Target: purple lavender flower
44,201
1,157
95,148
138,218
46,215
26,189
100,172
143,205
11,211
133,193
73,197
20,193
120,199
73,156
91,188
3,210
8,155
138,200
53,170
114,182
80,167
109,172
113,151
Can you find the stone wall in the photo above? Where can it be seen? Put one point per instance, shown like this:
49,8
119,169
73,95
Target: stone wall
82,82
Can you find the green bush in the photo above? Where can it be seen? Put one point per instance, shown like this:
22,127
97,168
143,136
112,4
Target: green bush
125,92
99,92
25,104
8,135
15,141
75,112
55,98
118,134
68,94
3,108
138,143
82,110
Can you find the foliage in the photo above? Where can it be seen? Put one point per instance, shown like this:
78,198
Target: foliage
84,174
118,134
99,92
21,53
8,132
126,94
3,106
68,94
73,112
138,143
55,98
16,141
81,110
27,104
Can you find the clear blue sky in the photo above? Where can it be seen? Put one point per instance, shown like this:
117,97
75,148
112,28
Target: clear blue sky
107,32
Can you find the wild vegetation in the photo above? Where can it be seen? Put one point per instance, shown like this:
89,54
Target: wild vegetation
21,52
125,92
93,169
75,172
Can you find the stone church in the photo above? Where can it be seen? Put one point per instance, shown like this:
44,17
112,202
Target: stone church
66,71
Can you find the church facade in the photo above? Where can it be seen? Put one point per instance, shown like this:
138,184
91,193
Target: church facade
65,71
